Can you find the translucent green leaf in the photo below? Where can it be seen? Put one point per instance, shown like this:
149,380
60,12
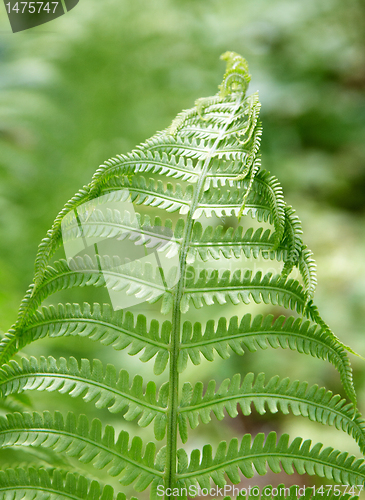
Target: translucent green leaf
248,457
34,483
317,404
98,323
262,332
94,383
78,439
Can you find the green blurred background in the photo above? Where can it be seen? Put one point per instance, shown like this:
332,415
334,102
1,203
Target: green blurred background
110,73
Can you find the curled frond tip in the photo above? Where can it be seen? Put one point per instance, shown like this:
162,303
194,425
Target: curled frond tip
236,77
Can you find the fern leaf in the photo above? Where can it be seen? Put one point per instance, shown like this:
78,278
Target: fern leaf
28,483
99,324
182,118
313,313
293,239
277,290
205,120
215,242
299,455
315,403
152,193
93,383
134,278
87,443
229,202
143,231
221,208
143,160
142,193
198,149
170,156
298,254
307,268
261,333
268,186
180,146
236,78
238,287
213,145
207,132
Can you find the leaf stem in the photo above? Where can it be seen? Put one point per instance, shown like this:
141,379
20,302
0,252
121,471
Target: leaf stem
171,445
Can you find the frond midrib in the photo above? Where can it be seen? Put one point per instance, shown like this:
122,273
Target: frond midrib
172,424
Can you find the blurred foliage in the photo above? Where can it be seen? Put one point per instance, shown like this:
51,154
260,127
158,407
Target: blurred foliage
107,75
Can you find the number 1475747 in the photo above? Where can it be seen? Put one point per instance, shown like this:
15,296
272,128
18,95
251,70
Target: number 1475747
32,7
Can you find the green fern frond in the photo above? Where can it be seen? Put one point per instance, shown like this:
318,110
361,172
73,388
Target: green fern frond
318,404
148,192
264,192
142,230
132,277
262,332
182,118
144,161
299,455
293,239
313,313
99,324
236,78
205,165
196,149
168,155
246,131
269,187
212,111
207,132
78,439
27,484
307,268
222,174
242,287
229,204
217,242
93,383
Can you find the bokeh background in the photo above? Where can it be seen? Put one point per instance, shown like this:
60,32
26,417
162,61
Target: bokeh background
107,75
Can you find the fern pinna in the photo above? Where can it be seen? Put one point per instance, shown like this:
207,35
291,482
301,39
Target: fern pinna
203,168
